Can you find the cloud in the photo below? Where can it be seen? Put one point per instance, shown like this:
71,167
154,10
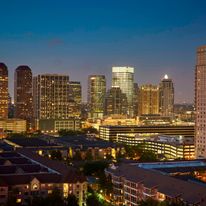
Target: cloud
55,42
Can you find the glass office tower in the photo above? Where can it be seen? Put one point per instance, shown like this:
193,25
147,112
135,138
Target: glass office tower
123,77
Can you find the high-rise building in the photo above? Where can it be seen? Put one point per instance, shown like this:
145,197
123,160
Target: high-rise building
23,94
136,99
149,100
11,107
75,98
3,91
200,103
115,102
96,95
166,89
123,77
50,96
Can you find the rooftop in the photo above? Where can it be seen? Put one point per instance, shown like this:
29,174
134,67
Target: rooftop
170,186
22,166
30,142
85,142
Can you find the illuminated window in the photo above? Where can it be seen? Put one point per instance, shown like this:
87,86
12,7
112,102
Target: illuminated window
18,200
35,187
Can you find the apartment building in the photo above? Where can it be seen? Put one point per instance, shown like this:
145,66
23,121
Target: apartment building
31,175
133,183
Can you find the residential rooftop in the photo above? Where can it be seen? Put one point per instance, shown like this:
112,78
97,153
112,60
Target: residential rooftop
172,187
84,142
22,166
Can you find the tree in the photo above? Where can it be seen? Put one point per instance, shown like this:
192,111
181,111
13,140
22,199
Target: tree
133,151
148,156
95,167
105,183
77,156
93,200
89,155
56,155
55,198
72,200
90,130
65,132
109,157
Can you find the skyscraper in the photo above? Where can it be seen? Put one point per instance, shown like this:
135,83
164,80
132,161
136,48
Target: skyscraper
149,100
3,91
75,98
115,102
166,89
50,96
123,77
200,103
136,99
23,94
96,95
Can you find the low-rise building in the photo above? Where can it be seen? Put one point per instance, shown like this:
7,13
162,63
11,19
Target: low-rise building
108,132
13,125
169,147
52,126
27,175
134,183
90,146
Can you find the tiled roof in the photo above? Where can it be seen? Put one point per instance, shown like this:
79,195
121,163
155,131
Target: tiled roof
69,174
24,165
26,179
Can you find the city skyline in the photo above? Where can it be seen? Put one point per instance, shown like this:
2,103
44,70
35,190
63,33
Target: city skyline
157,39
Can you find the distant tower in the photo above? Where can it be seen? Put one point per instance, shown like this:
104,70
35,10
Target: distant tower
166,89
200,103
123,77
75,98
23,94
149,100
136,99
96,95
3,91
115,102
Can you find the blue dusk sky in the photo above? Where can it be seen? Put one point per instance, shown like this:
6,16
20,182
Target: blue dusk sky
83,37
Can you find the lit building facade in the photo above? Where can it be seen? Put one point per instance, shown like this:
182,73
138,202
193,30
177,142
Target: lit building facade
200,102
123,77
108,132
149,100
169,147
52,126
13,125
23,94
3,91
96,95
50,96
166,90
75,98
115,102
